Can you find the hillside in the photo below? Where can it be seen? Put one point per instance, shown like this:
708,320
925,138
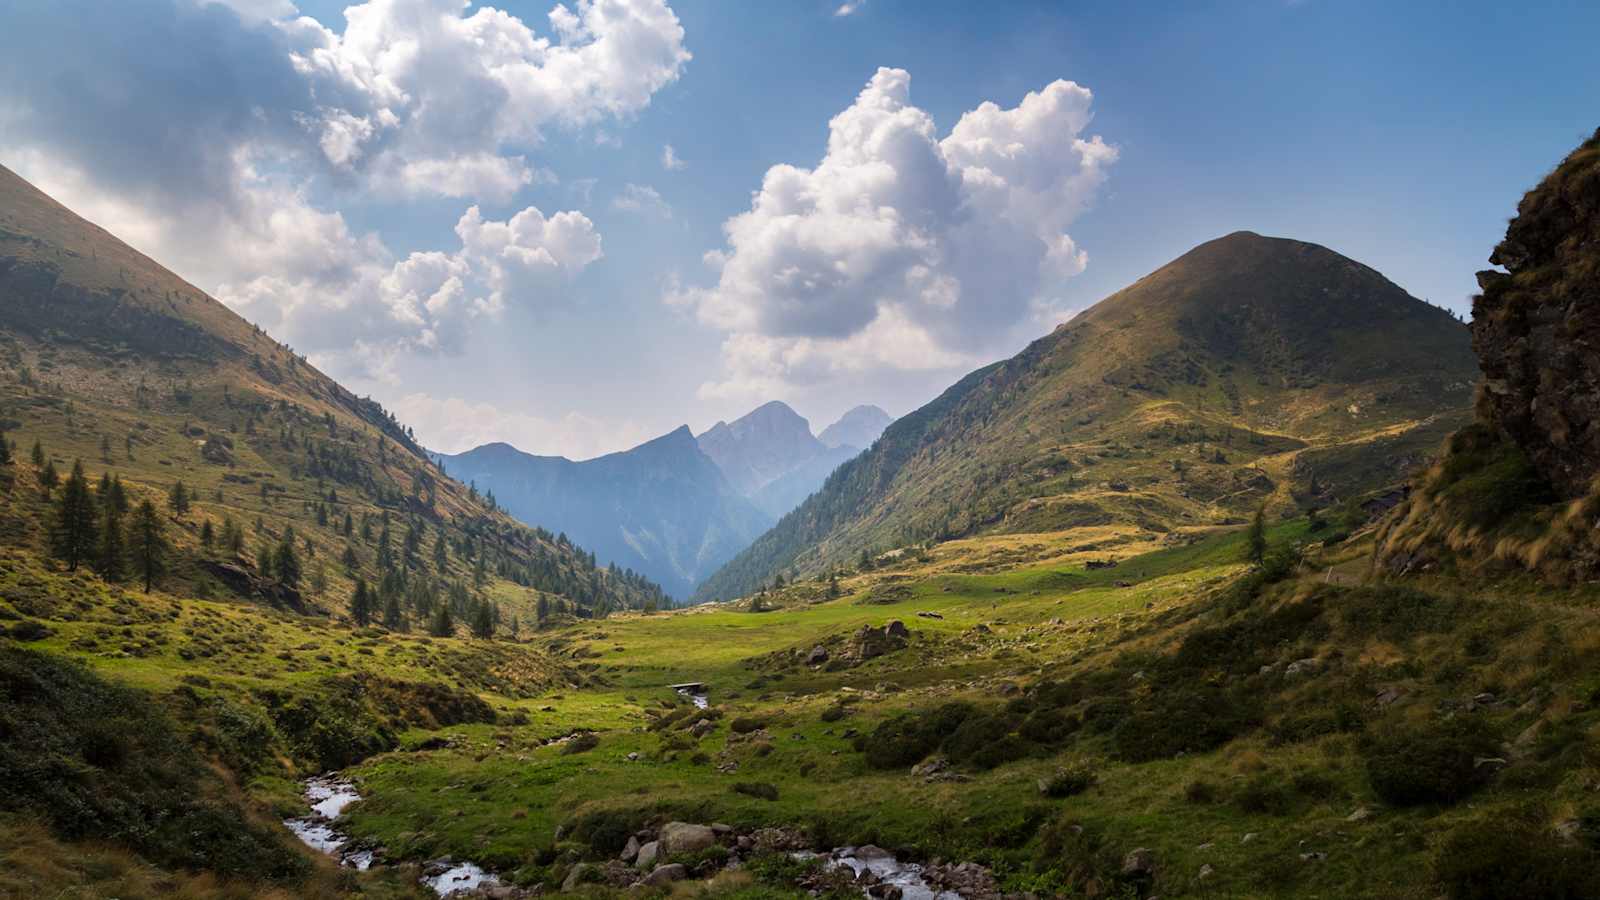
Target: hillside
111,359
662,509
1249,370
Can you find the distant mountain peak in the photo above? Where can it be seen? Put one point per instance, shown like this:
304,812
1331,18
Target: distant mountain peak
858,428
760,446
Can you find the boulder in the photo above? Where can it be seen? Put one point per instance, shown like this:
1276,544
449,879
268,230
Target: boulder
646,857
1140,863
817,656
897,629
682,837
630,851
578,875
666,874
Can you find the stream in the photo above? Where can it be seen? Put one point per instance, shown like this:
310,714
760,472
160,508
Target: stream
700,699
328,797
888,870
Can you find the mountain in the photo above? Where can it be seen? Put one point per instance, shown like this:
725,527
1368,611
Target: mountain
760,446
1248,370
857,428
662,509
788,490
108,358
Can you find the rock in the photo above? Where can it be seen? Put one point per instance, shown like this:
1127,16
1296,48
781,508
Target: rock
929,615
1535,334
721,830
630,851
817,656
646,857
1389,695
897,629
634,756
1139,863
577,875
1360,815
1205,872
744,842
1308,666
703,728
666,874
682,837
871,851
1313,856
1249,836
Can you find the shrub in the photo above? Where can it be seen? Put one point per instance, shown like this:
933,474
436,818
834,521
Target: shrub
833,713
605,831
1489,860
582,742
760,790
905,739
1067,782
1200,792
1047,726
747,724
1184,720
1435,763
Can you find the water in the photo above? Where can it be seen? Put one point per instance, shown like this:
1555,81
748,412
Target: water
905,876
701,700
461,877
328,797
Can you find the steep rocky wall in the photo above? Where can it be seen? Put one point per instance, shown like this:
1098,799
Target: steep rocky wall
1536,326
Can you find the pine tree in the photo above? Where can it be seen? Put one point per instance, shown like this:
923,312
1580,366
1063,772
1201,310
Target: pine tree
394,618
349,559
286,563
117,496
38,454
48,478
443,624
178,499
349,525
1256,540
543,608
361,604
113,556
74,538
441,554
483,620
148,540
208,535
5,448
264,555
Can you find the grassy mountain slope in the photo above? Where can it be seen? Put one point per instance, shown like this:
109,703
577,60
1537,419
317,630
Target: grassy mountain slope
662,509
1251,369
111,359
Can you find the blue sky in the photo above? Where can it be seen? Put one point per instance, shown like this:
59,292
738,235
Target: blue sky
1400,134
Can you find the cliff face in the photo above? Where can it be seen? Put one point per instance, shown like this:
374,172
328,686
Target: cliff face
1536,326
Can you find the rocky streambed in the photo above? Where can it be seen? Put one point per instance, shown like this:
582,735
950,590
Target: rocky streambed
328,796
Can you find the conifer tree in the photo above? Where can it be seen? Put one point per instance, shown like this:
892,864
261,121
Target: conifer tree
443,624
5,448
483,620
148,541
361,604
208,535
48,478
394,618
1256,540
74,538
113,555
178,499
286,563
38,454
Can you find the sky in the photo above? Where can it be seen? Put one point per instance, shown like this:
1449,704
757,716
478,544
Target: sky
576,227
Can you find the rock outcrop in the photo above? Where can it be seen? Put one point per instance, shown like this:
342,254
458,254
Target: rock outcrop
1536,326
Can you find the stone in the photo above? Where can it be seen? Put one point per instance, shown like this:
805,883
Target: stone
1249,836
1205,872
1139,863
702,728
817,656
897,629
1308,666
1360,815
630,851
577,875
666,874
721,829
646,857
682,837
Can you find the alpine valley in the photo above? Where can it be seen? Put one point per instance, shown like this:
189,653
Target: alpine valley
1258,578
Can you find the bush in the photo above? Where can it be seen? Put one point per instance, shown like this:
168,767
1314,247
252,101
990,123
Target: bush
1047,726
1490,860
905,739
1067,782
747,724
582,742
833,713
1184,720
1435,763
760,790
605,831
1396,613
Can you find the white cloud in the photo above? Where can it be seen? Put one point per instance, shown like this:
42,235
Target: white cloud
901,251
643,199
849,8
452,425
413,89
670,160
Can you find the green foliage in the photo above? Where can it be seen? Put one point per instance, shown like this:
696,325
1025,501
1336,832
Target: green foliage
1183,718
96,761
1440,762
761,790
1067,782
75,535
1490,859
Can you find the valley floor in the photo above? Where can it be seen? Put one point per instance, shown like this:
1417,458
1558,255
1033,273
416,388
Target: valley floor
1225,721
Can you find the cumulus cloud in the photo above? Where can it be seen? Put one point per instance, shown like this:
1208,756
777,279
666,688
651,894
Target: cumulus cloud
454,425
670,160
901,250
411,89
849,9
218,135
